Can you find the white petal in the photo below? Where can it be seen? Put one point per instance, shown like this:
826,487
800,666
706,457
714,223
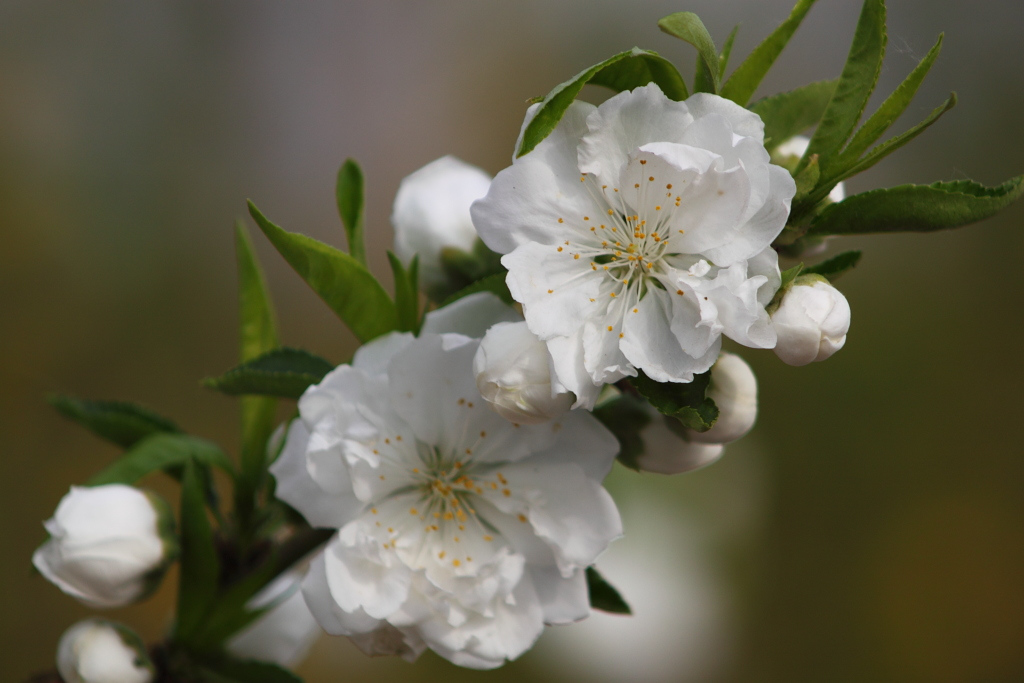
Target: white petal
567,365
359,581
733,388
564,600
331,617
373,357
471,316
283,635
431,212
527,199
652,344
730,300
581,439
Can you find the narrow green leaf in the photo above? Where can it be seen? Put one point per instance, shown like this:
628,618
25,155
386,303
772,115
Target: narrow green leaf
688,26
625,417
723,56
124,424
200,565
744,81
835,267
161,452
892,108
917,208
863,65
283,372
349,193
888,147
345,285
603,595
492,283
652,68
790,113
258,335
807,178
407,295
685,402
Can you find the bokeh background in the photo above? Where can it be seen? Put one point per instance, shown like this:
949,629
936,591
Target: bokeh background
870,528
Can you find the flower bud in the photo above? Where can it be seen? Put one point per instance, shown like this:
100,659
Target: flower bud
284,634
668,451
733,388
811,321
513,373
109,545
431,213
99,651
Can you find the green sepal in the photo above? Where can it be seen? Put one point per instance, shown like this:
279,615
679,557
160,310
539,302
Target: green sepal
162,452
200,563
345,285
407,293
744,81
916,208
788,277
283,372
688,26
619,77
603,595
790,113
834,268
857,82
348,191
257,336
119,422
625,416
495,284
891,109
687,402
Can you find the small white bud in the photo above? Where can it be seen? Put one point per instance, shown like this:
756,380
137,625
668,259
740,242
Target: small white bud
513,373
109,545
99,651
733,388
811,322
431,212
666,451
283,635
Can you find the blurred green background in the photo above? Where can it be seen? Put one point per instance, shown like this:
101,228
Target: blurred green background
870,528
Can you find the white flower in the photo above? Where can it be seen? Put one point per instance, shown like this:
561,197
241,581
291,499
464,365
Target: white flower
285,633
431,212
98,651
733,388
514,375
458,530
109,545
638,232
811,322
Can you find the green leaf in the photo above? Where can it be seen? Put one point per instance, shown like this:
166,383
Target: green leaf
917,208
492,283
685,402
407,293
833,268
886,148
345,285
625,417
723,56
283,372
790,113
349,193
258,335
603,595
622,77
807,179
200,565
892,108
688,26
124,424
161,452
249,671
863,65
744,81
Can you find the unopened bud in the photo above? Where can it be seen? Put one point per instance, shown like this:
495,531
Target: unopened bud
811,321
99,651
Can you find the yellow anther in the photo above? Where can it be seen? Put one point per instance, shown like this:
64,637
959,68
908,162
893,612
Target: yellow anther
522,518
455,563
611,212
561,220
643,161
506,493
413,511
651,179
488,538
610,328
559,249
669,186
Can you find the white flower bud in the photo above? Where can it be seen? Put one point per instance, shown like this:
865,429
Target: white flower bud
811,322
283,635
667,452
733,388
98,651
109,545
513,373
431,212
